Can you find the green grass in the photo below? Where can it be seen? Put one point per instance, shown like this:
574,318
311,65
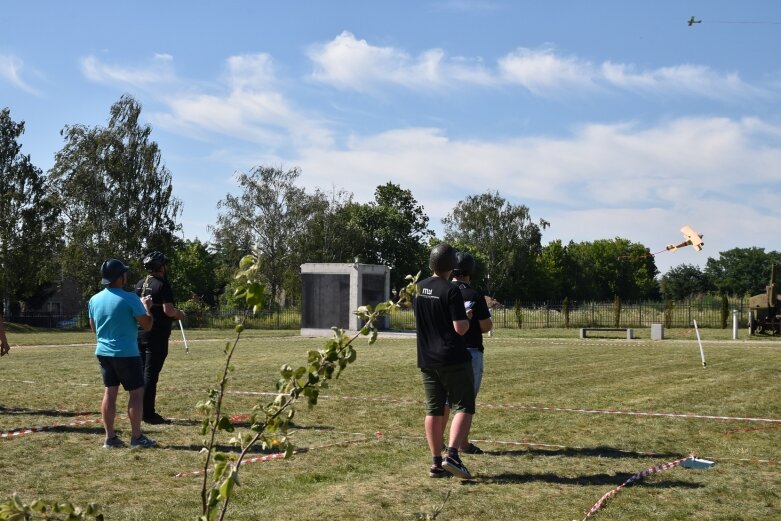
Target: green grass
386,478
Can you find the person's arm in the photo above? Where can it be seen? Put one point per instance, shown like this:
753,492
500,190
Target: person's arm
170,310
483,315
486,325
145,321
92,324
461,326
5,347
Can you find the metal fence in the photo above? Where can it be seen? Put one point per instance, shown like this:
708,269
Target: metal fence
527,315
536,315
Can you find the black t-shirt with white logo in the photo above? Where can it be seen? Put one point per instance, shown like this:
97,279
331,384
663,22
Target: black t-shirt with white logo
474,299
161,293
437,304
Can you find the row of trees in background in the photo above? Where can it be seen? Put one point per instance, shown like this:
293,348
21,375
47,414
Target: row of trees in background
109,194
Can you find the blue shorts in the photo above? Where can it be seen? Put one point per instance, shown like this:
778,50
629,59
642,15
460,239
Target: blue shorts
125,370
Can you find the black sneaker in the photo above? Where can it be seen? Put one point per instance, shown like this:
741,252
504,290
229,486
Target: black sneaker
471,448
156,419
436,471
456,467
142,442
114,443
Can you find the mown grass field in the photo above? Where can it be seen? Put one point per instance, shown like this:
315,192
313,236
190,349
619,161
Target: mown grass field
539,464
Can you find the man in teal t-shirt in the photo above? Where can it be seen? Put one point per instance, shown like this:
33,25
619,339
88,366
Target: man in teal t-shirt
114,316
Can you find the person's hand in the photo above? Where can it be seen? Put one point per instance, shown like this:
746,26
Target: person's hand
147,302
470,313
5,348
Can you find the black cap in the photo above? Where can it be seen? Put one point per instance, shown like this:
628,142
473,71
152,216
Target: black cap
465,264
154,260
111,270
442,258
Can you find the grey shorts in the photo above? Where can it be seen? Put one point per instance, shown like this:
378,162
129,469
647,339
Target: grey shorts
125,370
453,384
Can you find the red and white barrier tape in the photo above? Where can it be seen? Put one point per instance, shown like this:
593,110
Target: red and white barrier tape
532,407
494,406
637,477
22,431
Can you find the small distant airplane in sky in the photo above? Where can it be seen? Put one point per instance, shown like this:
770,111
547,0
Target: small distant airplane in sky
692,21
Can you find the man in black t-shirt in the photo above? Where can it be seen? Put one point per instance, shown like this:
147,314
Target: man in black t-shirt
153,344
479,322
444,362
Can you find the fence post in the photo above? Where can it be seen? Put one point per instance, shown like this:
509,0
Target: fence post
689,310
547,315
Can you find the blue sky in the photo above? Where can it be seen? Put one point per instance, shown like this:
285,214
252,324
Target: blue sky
606,118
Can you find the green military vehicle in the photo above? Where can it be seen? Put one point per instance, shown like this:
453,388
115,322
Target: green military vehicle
764,310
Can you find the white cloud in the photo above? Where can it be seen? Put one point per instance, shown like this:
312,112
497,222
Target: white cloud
539,71
246,104
11,70
158,71
250,72
250,108
354,64
349,63
693,79
602,181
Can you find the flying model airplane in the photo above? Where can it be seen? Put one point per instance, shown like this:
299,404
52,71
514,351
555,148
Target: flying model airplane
693,239
692,21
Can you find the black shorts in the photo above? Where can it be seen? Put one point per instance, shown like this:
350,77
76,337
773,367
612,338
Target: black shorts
125,370
452,384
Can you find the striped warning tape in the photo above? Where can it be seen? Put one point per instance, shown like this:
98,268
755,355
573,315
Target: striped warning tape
23,431
630,413
384,399
650,471
522,406
485,405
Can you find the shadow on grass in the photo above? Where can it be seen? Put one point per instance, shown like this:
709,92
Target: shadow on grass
589,452
194,447
45,412
78,429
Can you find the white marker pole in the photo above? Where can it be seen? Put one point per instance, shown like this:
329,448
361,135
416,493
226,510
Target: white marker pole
186,348
734,324
699,340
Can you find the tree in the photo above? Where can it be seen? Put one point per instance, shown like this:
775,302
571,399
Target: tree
193,272
556,271
270,215
503,234
328,236
606,268
392,230
683,281
741,270
29,220
115,193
